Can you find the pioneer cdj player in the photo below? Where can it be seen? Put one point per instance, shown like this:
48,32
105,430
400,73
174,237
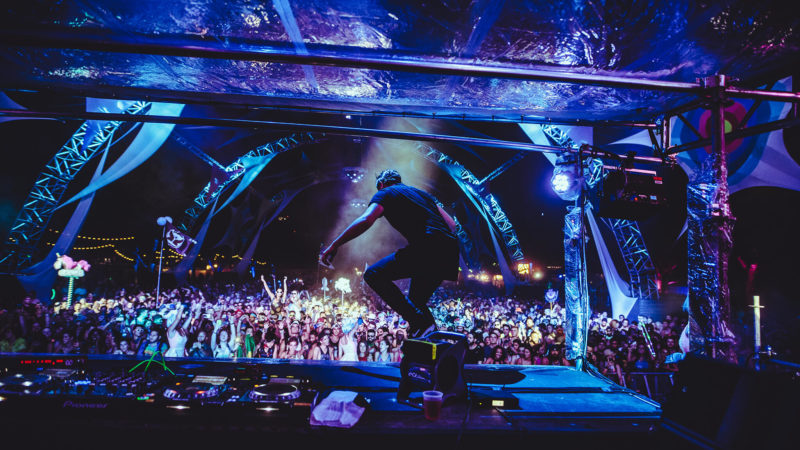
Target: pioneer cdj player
46,385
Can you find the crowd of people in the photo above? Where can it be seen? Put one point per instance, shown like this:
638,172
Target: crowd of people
255,320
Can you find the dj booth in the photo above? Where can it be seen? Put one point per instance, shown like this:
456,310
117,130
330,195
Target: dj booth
122,402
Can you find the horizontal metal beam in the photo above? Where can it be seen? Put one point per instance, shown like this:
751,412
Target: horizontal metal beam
105,42
260,102
737,134
195,150
756,94
307,127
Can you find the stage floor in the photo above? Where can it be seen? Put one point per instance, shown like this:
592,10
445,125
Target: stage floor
551,399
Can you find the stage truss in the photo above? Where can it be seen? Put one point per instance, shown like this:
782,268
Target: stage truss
43,199
209,193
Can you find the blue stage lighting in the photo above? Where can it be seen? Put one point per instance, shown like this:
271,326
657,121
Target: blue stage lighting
561,183
565,181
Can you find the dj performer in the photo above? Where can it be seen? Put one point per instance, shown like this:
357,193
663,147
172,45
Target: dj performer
430,257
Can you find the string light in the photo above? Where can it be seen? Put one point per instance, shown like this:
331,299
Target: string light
260,263
107,239
98,247
130,238
122,256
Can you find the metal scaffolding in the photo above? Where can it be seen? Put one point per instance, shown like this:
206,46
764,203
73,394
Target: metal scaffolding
710,219
234,170
474,188
642,273
43,199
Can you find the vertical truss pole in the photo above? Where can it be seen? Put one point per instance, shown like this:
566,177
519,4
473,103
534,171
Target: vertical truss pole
710,241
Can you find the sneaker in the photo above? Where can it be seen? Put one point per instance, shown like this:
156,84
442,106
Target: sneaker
417,333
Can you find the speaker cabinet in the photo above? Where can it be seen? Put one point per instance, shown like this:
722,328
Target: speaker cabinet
735,407
434,362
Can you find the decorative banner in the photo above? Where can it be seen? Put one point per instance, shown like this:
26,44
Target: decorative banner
177,240
760,160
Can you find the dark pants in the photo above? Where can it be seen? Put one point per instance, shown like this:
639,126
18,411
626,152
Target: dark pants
426,265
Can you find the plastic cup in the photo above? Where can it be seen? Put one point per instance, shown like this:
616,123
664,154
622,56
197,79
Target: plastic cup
432,403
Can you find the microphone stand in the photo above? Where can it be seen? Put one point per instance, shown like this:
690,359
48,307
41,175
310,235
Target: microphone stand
160,259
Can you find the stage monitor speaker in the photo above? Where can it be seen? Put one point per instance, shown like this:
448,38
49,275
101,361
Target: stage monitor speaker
628,194
433,362
734,407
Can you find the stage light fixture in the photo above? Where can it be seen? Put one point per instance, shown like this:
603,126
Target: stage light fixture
358,204
354,174
561,183
566,181
632,194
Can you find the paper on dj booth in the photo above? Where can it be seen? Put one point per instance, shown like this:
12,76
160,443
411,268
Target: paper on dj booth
337,410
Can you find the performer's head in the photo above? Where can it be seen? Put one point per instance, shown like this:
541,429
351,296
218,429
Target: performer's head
387,178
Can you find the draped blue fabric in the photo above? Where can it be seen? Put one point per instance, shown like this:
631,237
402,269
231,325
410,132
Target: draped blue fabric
7,103
182,268
147,142
621,302
253,165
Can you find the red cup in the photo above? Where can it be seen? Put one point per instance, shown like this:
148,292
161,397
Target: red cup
432,403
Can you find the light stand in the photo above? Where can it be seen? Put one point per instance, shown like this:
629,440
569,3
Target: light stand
757,330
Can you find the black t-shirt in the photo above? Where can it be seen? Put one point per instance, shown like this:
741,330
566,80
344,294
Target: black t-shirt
412,212
474,355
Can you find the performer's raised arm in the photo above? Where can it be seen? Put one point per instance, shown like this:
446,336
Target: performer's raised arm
354,230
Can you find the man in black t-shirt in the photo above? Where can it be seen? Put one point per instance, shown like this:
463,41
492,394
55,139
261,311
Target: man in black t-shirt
430,257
